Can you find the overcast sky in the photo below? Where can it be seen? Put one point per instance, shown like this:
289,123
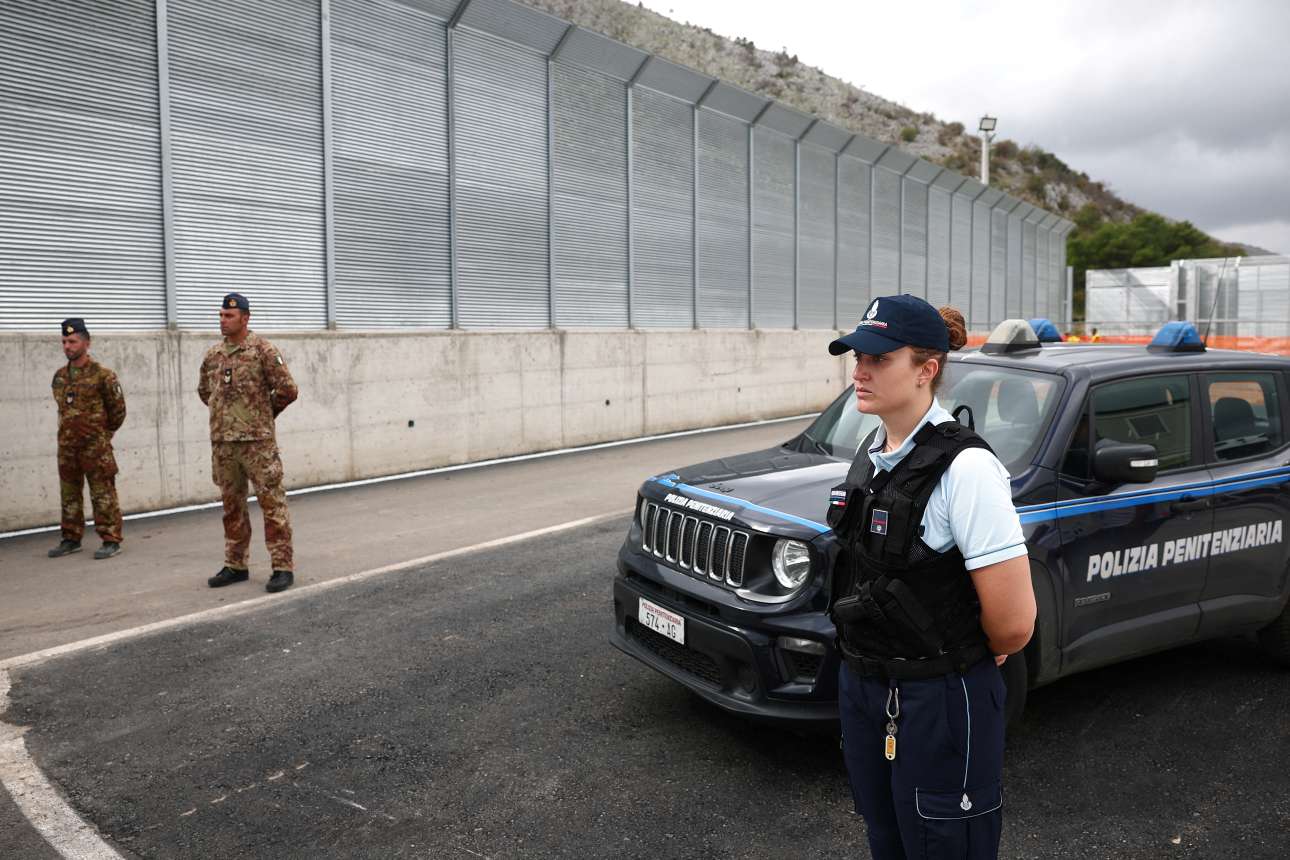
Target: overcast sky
1180,107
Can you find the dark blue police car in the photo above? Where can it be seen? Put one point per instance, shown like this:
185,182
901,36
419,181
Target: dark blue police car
1153,484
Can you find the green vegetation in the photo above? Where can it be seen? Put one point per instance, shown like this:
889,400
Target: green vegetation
909,133
1147,240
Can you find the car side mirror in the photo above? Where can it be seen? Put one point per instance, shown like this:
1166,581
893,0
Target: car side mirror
1125,463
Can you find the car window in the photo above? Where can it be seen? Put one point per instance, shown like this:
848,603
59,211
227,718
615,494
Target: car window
1155,410
1246,414
1010,409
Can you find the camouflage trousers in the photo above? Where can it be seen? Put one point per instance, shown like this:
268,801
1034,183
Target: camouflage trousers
92,461
233,465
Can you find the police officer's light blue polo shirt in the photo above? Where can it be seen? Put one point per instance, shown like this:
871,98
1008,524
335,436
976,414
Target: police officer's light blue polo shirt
971,507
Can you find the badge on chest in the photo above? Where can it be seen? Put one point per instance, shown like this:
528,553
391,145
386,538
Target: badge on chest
228,375
878,521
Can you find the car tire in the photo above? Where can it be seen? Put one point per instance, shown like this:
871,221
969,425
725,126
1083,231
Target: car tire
1016,679
1275,638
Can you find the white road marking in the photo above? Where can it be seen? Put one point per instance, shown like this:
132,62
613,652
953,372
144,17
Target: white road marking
41,803
403,476
38,800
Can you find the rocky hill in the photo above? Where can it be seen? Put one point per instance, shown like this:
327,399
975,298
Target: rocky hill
1029,173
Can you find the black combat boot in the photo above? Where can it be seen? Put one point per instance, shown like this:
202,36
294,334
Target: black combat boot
228,576
280,581
65,547
109,549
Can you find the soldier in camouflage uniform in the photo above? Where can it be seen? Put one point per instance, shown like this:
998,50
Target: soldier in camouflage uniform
91,408
246,384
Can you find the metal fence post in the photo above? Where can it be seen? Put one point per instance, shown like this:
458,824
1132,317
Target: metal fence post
329,212
551,305
837,205
797,223
631,149
752,212
694,201
454,320
162,23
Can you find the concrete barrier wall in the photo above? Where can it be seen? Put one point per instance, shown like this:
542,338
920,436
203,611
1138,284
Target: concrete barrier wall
376,404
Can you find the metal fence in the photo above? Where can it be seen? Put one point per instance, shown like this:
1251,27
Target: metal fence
370,164
1242,302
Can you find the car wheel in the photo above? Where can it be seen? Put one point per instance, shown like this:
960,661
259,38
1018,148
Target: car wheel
1275,638
1017,681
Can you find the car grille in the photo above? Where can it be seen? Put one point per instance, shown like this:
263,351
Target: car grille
693,544
697,664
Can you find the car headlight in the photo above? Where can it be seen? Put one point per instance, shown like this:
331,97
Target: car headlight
791,561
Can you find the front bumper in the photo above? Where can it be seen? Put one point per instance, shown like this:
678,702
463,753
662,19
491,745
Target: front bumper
735,667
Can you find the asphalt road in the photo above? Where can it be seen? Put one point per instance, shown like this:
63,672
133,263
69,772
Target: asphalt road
474,708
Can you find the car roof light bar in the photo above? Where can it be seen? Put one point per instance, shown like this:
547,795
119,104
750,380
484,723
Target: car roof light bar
1010,336
1177,336
1045,330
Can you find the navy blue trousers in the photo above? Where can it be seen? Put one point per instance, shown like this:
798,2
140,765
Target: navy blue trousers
941,797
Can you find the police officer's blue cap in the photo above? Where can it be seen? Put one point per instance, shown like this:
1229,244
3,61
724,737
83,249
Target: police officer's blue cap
236,300
891,322
74,325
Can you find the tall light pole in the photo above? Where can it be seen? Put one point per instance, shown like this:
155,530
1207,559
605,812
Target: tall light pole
987,134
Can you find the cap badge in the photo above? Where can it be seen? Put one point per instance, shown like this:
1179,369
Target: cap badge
70,329
232,303
873,310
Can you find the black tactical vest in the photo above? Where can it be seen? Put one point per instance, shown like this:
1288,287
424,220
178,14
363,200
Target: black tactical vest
901,608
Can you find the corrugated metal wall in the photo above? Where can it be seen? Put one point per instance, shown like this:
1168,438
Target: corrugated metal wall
500,141
982,265
722,197
815,239
1029,283
1012,307
80,221
424,163
853,239
961,253
885,245
589,197
938,247
913,241
246,149
662,210
773,258
390,166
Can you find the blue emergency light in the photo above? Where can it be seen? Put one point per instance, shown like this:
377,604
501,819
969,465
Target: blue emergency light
1045,330
1177,336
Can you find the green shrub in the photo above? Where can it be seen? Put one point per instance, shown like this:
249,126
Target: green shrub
1005,149
908,133
949,133
1035,185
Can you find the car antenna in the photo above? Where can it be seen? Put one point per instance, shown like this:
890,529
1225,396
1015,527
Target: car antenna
1213,307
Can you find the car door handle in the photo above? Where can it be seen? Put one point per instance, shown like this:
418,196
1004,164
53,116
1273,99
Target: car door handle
1188,505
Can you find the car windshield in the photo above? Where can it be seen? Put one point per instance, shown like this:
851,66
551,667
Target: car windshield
1010,409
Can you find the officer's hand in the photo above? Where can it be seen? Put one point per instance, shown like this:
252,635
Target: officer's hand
999,658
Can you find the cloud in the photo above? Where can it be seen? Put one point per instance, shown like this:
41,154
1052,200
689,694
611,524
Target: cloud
1181,107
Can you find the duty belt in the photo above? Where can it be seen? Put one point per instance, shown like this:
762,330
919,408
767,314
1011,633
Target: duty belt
914,670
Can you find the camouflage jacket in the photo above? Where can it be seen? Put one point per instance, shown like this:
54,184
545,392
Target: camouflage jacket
91,405
245,385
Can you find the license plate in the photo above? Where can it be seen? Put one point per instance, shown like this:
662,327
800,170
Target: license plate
661,620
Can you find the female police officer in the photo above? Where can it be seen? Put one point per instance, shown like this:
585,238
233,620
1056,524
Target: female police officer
931,592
